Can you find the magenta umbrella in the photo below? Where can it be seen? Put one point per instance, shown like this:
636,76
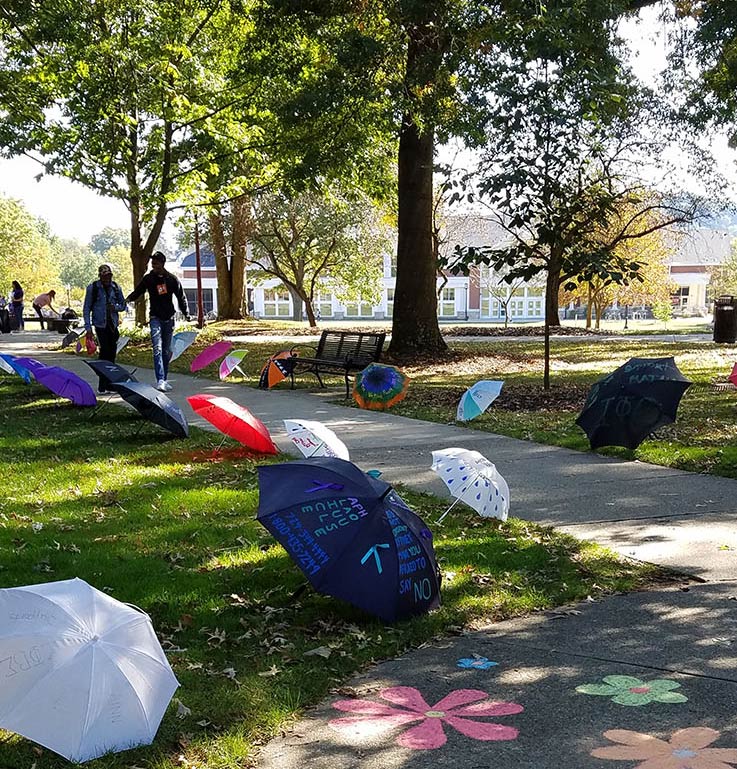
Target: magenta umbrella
210,355
66,384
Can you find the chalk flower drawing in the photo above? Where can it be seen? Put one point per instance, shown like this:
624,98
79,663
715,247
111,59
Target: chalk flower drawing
476,663
458,709
627,690
686,749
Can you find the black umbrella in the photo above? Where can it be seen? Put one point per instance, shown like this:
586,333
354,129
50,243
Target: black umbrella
352,536
110,372
72,337
154,406
624,407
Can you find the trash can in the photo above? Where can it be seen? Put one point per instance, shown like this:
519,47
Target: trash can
725,319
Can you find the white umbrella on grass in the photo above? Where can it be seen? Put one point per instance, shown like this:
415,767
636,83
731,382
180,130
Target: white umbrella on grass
472,479
82,673
314,439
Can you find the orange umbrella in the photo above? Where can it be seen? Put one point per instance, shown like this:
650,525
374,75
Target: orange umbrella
278,367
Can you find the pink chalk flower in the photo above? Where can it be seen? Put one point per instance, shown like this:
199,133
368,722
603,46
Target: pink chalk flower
459,709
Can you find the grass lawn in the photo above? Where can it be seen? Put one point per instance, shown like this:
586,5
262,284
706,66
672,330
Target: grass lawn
169,526
704,438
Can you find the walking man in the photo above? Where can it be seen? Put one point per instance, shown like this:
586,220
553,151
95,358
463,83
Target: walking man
162,287
44,300
103,300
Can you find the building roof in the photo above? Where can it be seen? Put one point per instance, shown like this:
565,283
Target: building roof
702,247
470,230
207,259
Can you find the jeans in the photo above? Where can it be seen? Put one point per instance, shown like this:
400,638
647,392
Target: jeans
161,334
18,312
40,315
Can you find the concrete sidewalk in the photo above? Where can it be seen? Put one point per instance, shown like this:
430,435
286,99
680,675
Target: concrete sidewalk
684,636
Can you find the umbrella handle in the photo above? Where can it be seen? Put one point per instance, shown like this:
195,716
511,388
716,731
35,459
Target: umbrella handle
458,498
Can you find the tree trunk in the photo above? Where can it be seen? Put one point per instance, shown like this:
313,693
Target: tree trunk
310,313
546,370
552,290
415,328
242,227
589,305
217,237
297,304
139,259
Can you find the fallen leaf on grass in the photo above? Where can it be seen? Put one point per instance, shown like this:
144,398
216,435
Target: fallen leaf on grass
272,671
320,651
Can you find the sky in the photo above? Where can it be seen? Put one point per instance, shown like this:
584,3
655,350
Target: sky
73,211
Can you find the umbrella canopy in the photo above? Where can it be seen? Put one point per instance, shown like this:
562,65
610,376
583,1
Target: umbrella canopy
352,536
6,366
733,376
153,405
477,399
11,362
314,439
624,407
66,384
230,363
72,337
30,364
210,355
472,479
277,368
84,674
234,421
379,387
122,342
180,342
110,371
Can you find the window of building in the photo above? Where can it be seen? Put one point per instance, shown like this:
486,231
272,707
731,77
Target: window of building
535,308
359,309
680,298
534,291
324,304
517,308
208,304
390,303
447,304
277,303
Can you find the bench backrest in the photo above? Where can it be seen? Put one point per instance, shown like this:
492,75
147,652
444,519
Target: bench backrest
360,348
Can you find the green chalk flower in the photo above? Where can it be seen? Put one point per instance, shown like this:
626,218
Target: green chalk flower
627,690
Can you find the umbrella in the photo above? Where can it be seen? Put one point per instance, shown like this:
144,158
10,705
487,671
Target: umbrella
733,376
314,439
6,367
30,364
477,399
379,387
230,363
153,405
352,536
472,479
111,372
277,368
210,355
624,407
83,674
122,342
17,368
72,336
180,342
66,384
234,421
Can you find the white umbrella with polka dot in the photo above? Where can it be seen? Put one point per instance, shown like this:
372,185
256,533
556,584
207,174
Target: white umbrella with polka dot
472,479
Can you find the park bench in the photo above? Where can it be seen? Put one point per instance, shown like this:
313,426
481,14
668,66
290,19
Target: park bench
339,351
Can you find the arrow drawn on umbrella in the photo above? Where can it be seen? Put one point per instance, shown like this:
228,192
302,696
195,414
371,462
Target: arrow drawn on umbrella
374,550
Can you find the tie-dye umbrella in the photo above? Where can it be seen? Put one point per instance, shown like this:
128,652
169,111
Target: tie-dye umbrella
122,342
210,355
278,367
16,368
472,479
230,363
314,439
235,421
380,387
477,399
180,342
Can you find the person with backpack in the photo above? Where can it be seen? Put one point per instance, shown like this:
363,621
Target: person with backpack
103,300
162,287
16,305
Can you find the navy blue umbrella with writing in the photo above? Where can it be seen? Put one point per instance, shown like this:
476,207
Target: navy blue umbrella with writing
624,407
352,536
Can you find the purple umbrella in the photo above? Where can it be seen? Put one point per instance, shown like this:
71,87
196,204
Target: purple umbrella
66,384
210,354
31,364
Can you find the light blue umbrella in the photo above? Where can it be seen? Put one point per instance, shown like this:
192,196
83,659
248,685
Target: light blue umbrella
478,398
17,368
180,342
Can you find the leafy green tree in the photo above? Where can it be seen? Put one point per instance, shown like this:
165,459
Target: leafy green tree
108,237
315,240
723,277
77,262
25,251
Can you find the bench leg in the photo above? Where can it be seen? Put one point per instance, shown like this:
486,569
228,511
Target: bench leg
319,379
347,391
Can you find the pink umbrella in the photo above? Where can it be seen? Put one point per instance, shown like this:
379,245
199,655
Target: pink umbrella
210,355
733,376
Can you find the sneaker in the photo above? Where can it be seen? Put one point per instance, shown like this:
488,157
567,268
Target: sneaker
161,386
167,387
